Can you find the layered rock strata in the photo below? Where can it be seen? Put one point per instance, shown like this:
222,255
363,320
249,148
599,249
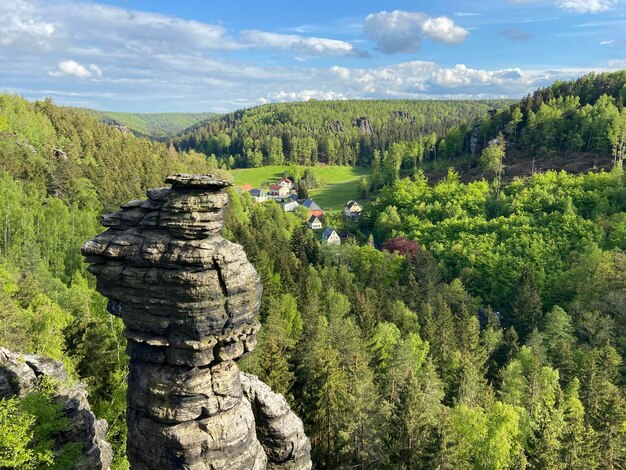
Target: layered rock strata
20,375
189,301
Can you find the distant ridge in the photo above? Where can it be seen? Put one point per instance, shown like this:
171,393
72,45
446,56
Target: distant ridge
154,125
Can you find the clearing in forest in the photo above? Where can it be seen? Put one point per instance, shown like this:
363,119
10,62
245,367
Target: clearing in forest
338,185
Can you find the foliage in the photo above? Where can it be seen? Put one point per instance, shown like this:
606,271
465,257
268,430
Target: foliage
153,124
28,428
59,170
346,132
498,343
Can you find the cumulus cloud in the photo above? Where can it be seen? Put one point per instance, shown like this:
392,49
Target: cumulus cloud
423,79
514,34
402,31
576,6
461,75
443,29
71,67
301,46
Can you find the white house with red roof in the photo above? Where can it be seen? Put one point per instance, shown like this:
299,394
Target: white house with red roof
287,183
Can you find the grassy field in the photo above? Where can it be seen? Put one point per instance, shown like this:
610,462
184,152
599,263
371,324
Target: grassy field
340,183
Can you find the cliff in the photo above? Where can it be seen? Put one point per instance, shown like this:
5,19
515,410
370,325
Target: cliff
189,301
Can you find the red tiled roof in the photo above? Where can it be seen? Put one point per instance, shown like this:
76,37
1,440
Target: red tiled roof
276,187
246,187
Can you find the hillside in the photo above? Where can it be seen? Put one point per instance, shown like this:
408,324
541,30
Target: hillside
585,115
60,170
154,125
346,132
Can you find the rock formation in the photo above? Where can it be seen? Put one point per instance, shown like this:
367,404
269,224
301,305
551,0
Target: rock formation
189,301
337,127
401,115
19,376
364,125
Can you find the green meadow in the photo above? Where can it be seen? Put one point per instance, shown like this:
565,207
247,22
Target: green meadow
339,183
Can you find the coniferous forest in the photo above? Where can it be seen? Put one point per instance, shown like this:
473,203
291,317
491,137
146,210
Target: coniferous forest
461,324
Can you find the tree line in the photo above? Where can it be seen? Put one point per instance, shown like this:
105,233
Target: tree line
332,132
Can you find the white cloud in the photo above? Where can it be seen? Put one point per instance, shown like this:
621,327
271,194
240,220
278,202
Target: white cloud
402,31
465,13
112,58
576,6
461,75
609,42
421,79
20,22
586,6
302,46
70,67
71,25
96,70
303,95
443,29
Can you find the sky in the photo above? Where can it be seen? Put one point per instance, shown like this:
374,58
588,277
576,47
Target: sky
222,55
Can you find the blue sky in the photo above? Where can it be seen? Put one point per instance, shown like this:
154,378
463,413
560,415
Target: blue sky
217,55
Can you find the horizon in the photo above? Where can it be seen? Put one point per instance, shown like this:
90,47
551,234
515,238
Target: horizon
138,56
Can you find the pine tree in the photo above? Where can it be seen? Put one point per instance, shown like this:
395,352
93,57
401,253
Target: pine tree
526,307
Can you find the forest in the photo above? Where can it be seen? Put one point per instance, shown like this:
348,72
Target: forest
333,132
460,325
153,125
586,115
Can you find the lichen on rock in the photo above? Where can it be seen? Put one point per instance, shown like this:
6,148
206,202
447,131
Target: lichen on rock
189,301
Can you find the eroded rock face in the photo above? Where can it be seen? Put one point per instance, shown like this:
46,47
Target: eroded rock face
189,301
19,376
364,125
278,428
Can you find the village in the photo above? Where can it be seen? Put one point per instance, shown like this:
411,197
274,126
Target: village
284,193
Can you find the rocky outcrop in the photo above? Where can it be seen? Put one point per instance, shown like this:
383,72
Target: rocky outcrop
189,301
20,375
475,141
364,125
337,127
401,115
278,428
60,155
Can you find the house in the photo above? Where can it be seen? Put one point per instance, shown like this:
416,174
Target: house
278,191
314,223
291,198
290,206
330,237
352,209
313,207
258,195
287,183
